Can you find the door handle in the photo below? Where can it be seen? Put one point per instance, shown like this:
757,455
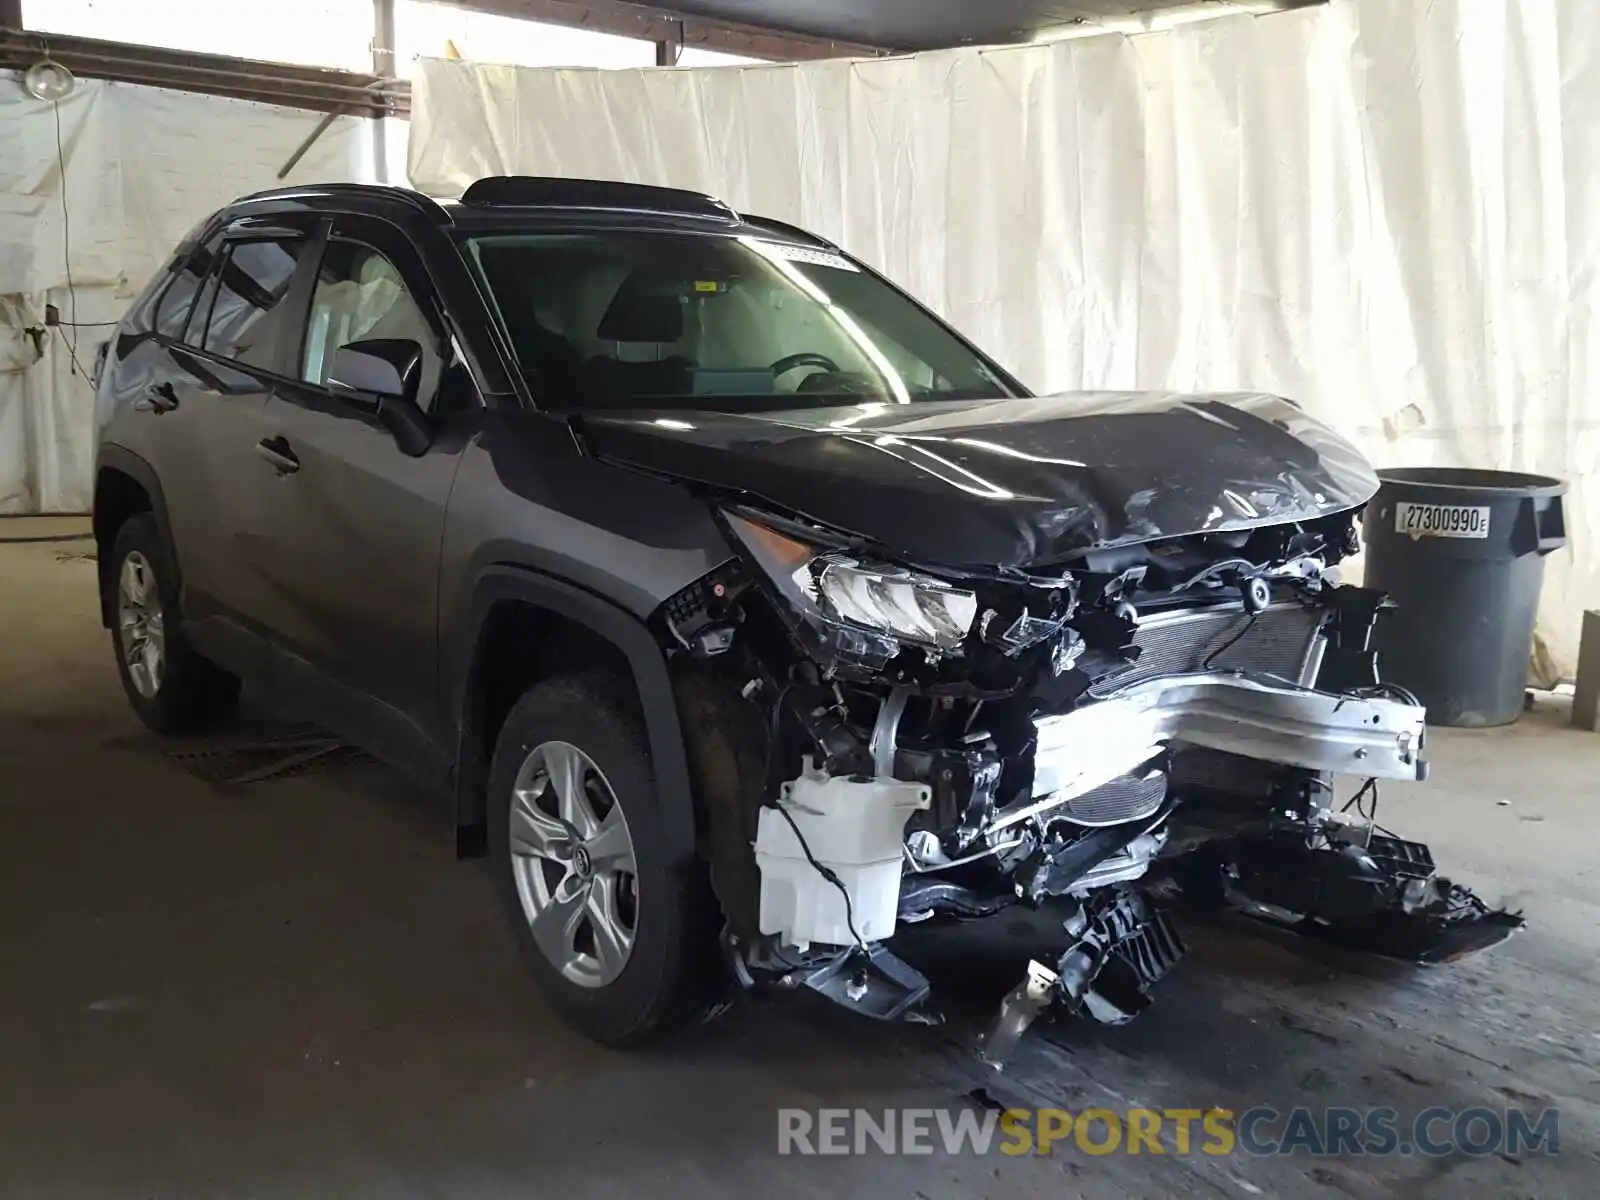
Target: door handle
158,398
276,451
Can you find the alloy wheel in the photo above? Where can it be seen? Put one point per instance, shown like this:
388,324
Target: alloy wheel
573,861
140,626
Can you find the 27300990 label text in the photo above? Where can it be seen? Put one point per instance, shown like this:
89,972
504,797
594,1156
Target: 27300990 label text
1442,520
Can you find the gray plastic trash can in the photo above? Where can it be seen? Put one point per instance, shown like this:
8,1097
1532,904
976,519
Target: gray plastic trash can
1462,554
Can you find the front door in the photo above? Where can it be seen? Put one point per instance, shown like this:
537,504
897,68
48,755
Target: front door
212,367
353,553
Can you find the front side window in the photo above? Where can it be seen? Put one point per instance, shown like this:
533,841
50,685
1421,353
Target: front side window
360,296
666,320
250,290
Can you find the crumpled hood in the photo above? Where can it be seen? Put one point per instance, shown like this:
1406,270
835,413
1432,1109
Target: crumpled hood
1009,482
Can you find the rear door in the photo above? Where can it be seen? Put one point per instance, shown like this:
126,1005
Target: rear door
224,330
352,552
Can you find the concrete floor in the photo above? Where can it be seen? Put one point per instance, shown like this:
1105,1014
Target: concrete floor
291,989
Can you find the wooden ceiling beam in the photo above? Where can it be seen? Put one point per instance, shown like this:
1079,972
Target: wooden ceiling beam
316,88
651,23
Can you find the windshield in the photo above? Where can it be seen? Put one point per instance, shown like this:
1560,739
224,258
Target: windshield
687,321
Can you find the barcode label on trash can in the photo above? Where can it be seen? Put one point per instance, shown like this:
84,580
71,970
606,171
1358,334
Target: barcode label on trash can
1442,520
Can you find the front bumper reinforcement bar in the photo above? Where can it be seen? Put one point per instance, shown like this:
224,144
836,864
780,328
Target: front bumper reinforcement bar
1252,716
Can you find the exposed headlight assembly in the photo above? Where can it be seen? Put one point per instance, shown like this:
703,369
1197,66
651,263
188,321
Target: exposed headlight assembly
914,607
866,609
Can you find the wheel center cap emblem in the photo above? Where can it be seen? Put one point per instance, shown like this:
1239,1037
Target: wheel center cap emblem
581,862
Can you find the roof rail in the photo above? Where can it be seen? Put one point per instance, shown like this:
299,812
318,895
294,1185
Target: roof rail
428,207
534,191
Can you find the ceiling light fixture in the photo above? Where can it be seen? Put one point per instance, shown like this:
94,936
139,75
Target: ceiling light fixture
48,80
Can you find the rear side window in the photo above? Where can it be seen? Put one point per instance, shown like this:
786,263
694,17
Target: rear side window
248,310
172,313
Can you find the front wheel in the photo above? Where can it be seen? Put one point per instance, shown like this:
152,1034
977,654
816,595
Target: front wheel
621,938
171,687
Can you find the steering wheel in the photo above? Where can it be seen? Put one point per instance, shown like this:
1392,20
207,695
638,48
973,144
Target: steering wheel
804,359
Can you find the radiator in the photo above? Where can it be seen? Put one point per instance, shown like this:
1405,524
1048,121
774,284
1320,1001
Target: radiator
1126,798
1281,641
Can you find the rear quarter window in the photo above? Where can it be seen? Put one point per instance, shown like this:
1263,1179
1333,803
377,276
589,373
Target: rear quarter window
172,308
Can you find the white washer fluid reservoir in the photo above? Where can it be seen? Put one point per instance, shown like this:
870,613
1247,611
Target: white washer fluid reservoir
853,826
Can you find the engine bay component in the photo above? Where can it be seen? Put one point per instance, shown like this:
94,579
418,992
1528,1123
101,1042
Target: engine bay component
1127,864
1280,641
830,858
886,732
1126,798
1064,865
926,896
1256,594
1066,652
873,982
870,981
1027,630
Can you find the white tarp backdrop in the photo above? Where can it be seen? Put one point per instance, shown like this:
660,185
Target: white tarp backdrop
1387,211
142,165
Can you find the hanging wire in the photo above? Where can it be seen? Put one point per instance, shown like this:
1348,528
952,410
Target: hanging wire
72,353
1369,814
66,232
1205,665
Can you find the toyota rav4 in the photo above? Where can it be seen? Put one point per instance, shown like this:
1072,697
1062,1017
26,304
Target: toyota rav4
747,611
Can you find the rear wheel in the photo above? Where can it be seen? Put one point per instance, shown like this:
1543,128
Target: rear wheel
622,939
172,688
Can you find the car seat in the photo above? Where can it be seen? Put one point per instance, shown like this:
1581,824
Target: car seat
645,312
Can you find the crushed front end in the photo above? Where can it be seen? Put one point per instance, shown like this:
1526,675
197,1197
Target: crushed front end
1116,735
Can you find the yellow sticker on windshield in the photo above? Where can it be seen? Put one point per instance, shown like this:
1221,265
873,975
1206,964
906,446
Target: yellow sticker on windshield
707,285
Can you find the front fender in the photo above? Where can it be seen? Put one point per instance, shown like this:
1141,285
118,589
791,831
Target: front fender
622,629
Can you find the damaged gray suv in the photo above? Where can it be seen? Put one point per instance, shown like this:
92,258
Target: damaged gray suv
745,610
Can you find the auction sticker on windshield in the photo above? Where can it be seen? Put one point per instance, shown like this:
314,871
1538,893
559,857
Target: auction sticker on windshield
1442,520
784,252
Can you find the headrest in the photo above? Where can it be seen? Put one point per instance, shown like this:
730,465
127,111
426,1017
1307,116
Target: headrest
643,310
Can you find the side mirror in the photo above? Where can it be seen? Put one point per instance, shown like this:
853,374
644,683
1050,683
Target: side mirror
380,367
384,373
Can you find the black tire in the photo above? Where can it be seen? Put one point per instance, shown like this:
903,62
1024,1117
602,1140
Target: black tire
191,692
674,974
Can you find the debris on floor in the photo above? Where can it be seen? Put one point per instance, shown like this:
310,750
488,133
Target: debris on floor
292,750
